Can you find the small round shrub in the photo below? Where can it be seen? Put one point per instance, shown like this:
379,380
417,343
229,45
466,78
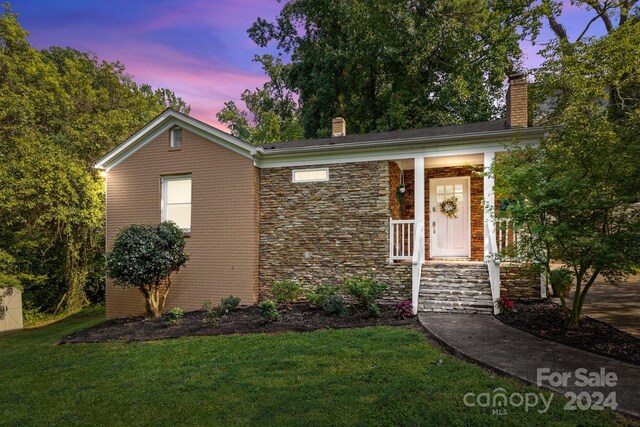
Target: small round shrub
318,297
335,304
229,304
269,311
286,291
174,316
366,291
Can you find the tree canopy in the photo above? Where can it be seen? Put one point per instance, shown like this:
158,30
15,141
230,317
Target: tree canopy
577,195
60,110
383,65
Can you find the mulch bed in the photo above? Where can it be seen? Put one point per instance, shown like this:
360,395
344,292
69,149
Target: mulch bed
544,319
300,317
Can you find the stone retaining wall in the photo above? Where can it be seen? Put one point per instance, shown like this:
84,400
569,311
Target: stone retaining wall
519,282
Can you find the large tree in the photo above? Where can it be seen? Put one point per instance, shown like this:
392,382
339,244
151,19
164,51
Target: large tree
60,109
387,65
273,113
577,195
610,13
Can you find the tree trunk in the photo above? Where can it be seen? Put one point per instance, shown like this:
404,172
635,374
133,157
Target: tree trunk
155,299
578,300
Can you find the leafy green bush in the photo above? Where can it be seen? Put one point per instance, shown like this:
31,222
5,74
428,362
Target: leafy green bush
229,304
317,297
373,309
269,311
144,257
212,312
286,291
335,304
174,316
365,290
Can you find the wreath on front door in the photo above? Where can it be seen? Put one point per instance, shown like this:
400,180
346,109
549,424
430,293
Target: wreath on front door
449,207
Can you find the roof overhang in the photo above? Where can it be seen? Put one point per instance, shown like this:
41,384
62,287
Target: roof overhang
165,121
441,145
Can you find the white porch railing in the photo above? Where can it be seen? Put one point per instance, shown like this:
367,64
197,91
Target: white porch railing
493,264
416,270
401,239
507,235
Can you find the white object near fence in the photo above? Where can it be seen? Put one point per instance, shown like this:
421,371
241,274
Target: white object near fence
10,310
401,236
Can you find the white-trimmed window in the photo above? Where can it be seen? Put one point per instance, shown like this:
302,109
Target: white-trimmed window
176,200
310,175
176,138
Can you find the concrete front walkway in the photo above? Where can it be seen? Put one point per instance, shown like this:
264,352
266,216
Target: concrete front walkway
485,340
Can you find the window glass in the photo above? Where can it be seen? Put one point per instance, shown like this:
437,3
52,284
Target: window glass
176,138
176,201
310,175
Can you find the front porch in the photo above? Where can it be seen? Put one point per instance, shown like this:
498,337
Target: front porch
442,209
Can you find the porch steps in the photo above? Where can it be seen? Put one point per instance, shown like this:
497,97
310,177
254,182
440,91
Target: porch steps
455,287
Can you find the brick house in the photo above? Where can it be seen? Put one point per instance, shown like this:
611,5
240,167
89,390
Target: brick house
320,210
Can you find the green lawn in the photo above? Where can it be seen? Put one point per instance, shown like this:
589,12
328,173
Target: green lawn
369,376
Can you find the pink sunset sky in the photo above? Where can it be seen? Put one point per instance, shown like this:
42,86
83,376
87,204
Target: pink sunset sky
198,48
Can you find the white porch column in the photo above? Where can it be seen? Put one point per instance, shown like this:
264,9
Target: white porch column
418,258
418,196
489,202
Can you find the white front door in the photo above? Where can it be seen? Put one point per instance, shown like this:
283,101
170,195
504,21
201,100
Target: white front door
450,235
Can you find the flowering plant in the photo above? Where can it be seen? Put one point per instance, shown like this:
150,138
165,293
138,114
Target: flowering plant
505,304
404,309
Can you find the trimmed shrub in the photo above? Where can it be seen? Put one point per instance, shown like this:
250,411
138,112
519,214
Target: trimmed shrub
366,291
229,304
144,257
174,316
318,297
335,304
269,311
286,291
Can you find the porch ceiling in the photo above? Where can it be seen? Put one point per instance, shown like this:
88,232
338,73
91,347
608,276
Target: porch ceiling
443,161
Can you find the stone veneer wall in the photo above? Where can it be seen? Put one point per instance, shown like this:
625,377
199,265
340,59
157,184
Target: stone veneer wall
519,282
322,232
477,208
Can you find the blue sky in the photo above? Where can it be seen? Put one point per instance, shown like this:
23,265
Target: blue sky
198,48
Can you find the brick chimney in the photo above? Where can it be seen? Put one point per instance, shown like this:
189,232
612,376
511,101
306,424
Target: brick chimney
339,127
517,101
